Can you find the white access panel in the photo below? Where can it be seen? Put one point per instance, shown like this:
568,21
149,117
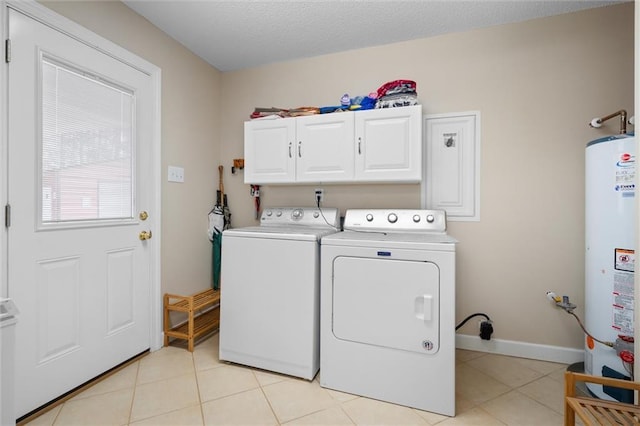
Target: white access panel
452,165
388,303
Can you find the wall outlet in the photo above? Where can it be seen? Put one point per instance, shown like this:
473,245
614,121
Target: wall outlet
319,194
175,174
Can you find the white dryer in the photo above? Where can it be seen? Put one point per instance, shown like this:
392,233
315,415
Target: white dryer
270,290
388,308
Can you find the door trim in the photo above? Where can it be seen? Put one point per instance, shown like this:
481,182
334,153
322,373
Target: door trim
60,23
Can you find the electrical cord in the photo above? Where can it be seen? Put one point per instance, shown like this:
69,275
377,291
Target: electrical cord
322,214
486,327
479,314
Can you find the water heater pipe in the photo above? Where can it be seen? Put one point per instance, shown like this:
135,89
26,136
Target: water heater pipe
597,122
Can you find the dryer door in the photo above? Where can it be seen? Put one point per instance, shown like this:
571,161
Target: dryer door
387,302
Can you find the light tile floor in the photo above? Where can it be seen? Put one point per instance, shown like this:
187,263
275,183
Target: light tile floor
175,387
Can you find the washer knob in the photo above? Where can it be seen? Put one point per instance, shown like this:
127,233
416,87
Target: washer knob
416,218
297,214
316,215
430,218
269,213
369,217
392,218
278,213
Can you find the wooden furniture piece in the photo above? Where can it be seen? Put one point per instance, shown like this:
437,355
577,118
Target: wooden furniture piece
595,411
203,315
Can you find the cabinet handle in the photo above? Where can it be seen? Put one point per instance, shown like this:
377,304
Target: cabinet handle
299,149
289,149
359,145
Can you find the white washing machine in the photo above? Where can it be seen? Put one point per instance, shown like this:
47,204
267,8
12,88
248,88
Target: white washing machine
270,290
388,309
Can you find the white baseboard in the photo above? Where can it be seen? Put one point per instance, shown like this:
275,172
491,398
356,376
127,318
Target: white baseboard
520,349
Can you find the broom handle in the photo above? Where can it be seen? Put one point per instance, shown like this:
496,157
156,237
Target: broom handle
220,169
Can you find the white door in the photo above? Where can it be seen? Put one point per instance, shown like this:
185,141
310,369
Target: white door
269,151
79,136
389,144
324,148
388,303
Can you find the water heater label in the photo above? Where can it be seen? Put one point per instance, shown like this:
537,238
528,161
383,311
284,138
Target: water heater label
626,175
623,291
625,260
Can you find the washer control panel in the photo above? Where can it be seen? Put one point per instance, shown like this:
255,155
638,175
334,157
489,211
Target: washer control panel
405,220
303,216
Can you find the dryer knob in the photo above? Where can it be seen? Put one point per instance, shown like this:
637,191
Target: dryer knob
316,215
416,218
392,218
369,217
430,218
269,213
278,213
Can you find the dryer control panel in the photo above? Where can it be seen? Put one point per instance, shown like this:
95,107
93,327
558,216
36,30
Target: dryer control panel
398,220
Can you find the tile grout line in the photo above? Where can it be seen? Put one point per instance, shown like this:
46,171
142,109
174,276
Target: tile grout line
266,398
133,395
195,374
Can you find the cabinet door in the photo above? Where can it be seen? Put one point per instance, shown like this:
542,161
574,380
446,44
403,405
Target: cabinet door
388,145
269,147
324,147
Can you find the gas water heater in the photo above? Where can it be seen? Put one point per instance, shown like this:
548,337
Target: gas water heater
610,222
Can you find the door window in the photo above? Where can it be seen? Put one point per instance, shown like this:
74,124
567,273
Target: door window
87,164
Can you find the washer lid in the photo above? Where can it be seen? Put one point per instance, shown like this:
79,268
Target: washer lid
298,233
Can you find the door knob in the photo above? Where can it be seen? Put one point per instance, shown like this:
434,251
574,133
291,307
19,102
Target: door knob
145,235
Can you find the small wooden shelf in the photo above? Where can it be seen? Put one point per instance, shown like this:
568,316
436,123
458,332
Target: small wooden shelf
595,411
203,315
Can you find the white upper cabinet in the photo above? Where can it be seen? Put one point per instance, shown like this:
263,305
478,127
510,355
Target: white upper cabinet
382,145
269,151
389,145
324,148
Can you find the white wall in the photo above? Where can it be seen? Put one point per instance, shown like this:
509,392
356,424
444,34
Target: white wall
537,85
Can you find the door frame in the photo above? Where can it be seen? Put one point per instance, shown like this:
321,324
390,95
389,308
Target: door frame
48,17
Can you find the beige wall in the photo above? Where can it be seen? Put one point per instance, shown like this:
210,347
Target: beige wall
190,135
537,85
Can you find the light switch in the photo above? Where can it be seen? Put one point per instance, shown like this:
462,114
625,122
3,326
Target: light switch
175,174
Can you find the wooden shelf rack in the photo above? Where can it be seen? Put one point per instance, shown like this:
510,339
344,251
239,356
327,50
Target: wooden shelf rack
593,411
203,315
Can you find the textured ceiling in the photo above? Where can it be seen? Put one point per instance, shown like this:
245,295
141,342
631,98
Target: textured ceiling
232,35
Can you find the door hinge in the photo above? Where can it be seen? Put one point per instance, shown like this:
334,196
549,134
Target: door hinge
7,50
7,215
